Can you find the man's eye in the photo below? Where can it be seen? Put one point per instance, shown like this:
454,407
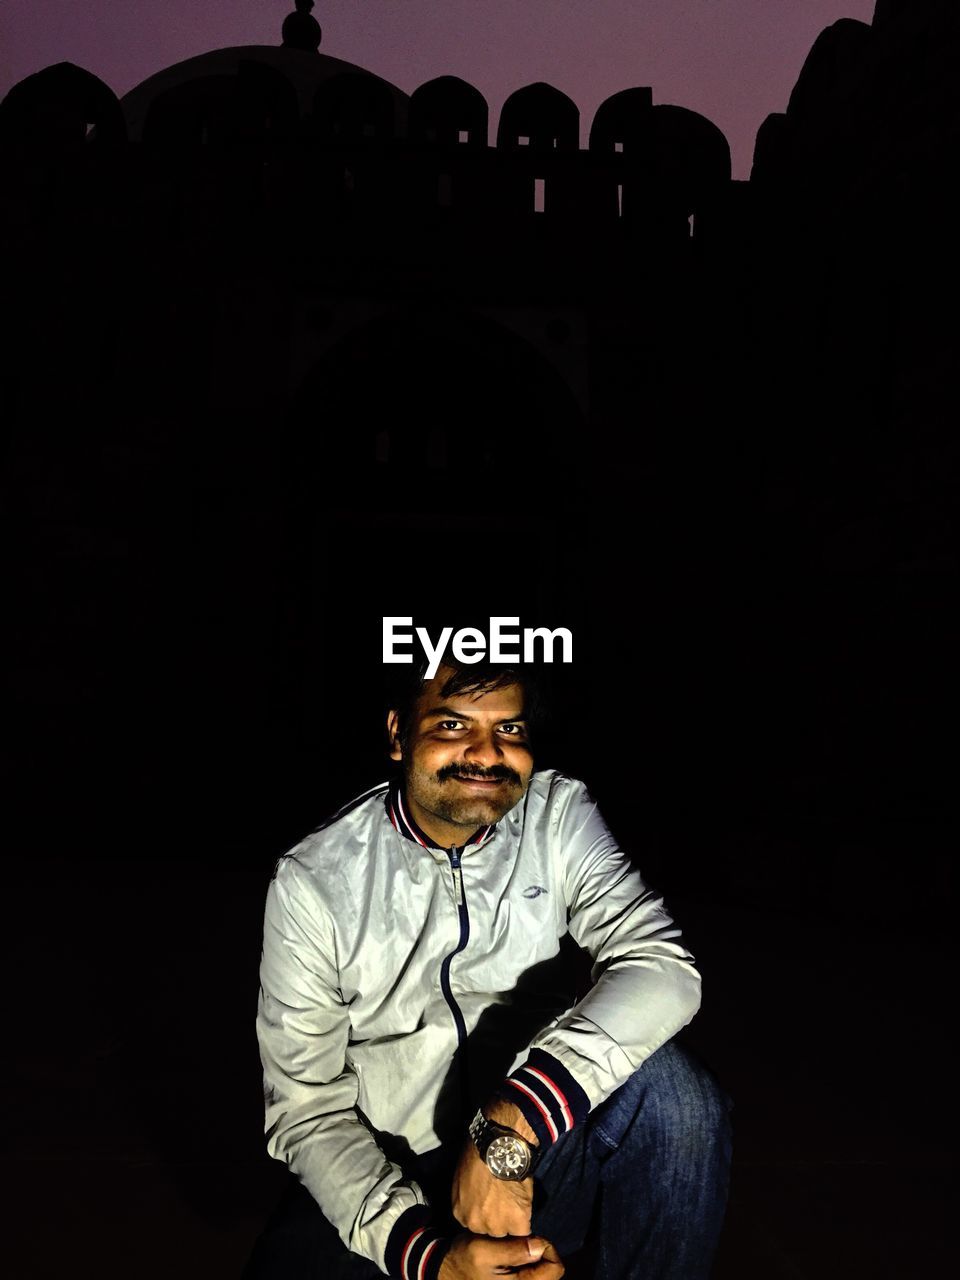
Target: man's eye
514,730
450,724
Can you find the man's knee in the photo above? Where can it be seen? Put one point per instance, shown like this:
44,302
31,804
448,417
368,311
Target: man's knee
671,1099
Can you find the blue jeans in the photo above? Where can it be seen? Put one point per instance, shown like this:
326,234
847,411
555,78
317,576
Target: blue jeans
647,1171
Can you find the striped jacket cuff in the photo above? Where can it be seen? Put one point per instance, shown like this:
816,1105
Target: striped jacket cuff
414,1249
551,1100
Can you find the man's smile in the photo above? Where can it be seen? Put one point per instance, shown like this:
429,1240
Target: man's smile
498,776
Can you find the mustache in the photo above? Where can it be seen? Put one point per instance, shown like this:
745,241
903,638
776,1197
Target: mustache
496,772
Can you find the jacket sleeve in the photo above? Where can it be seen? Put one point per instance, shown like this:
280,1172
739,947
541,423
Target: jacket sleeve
645,987
311,1092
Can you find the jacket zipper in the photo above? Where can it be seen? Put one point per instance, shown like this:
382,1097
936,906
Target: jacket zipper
461,901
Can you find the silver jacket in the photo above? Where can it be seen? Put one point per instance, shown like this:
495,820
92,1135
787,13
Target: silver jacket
382,958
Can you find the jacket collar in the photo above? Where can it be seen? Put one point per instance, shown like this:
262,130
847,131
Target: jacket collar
402,819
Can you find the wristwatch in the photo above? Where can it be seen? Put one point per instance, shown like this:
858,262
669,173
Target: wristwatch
506,1154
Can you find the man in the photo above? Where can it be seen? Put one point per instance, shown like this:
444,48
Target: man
449,1109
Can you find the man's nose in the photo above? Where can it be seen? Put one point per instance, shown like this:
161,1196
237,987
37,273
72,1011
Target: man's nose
482,748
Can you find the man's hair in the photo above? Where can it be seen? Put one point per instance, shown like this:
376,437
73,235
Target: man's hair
477,677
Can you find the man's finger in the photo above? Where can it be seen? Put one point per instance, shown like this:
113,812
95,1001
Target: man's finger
550,1266
543,1270
512,1251
501,1226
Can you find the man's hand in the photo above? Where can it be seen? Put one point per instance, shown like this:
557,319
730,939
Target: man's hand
487,1205
473,1257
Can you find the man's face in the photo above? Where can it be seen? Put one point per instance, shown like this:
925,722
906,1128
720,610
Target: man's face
466,757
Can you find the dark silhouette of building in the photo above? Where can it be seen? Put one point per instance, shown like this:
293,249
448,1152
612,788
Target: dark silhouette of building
268,317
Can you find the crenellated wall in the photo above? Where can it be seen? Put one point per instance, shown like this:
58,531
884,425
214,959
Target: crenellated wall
371,143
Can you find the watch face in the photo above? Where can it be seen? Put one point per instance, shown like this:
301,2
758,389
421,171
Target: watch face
508,1157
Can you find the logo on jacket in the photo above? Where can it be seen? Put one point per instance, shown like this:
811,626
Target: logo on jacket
534,891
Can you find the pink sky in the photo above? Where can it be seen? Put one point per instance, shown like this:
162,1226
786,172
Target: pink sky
733,60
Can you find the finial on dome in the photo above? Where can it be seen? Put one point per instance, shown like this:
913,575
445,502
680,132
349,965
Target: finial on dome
300,30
